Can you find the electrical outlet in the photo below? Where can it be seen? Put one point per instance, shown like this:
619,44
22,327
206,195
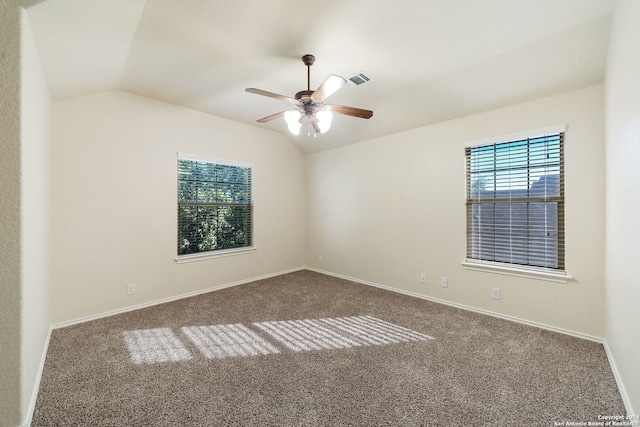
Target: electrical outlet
131,288
286,259
495,293
319,258
444,282
423,278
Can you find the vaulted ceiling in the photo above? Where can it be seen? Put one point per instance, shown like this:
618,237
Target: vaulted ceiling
428,60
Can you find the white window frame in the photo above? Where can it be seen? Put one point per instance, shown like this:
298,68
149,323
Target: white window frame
559,276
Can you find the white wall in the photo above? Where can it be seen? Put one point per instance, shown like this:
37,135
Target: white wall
36,282
623,197
388,209
115,201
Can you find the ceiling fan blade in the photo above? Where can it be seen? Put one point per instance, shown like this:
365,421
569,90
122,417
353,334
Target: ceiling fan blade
330,86
272,95
271,117
350,111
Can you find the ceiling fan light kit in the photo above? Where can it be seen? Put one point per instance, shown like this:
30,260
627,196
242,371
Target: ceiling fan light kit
310,104
324,118
294,121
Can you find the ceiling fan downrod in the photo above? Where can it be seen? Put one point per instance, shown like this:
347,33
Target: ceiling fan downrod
308,60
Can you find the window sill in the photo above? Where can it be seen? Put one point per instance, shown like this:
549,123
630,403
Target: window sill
182,259
518,272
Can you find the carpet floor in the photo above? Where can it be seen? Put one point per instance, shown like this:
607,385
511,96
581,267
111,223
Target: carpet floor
307,349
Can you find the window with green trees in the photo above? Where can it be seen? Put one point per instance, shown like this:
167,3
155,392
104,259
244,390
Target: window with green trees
214,206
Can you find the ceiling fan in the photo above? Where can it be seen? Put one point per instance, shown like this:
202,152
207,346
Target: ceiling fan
310,104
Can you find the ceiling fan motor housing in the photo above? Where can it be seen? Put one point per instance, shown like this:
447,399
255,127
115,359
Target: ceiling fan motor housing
306,103
304,95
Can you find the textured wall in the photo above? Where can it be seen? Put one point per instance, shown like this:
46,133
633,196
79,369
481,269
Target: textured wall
10,280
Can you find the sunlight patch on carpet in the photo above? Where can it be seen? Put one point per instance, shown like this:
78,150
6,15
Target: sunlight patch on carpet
218,341
237,340
336,333
155,346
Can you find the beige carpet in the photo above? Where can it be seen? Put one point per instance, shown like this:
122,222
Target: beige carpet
306,349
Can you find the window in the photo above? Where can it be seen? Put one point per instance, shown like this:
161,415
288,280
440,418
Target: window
214,205
515,202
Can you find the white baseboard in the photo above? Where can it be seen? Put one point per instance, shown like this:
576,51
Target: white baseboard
464,307
169,299
623,392
36,386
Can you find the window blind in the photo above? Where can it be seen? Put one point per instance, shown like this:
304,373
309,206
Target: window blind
515,202
214,206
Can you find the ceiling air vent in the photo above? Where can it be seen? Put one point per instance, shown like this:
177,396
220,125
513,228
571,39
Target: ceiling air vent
359,79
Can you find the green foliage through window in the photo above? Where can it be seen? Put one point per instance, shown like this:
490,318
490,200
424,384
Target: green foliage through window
214,206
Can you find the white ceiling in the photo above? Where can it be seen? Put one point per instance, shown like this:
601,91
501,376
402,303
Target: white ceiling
429,60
